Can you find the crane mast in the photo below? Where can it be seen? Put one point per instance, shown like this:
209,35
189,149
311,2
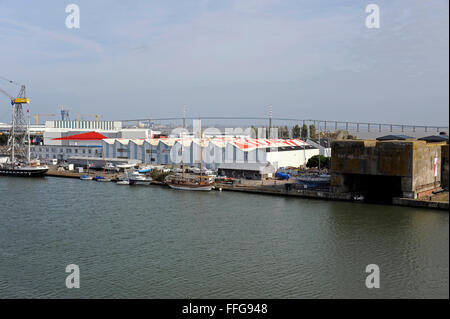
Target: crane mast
19,132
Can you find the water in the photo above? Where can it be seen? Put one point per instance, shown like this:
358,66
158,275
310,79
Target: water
153,242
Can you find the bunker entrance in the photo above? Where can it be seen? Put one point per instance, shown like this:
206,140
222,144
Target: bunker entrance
375,188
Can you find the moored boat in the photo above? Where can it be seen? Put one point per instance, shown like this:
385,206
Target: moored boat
187,184
137,178
85,177
102,179
190,186
125,166
25,171
314,180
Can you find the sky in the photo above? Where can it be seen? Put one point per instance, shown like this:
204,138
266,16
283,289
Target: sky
309,59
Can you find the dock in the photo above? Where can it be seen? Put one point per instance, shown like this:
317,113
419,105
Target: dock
442,205
73,174
280,189
304,193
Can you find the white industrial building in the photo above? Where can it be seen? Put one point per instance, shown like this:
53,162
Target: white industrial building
215,151
84,125
107,139
65,139
63,132
324,146
49,152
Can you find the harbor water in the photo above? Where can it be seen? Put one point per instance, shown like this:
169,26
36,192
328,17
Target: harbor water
154,242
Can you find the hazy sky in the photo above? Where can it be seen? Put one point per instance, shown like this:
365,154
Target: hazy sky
310,59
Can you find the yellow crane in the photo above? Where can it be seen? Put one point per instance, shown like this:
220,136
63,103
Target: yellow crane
36,116
17,100
20,99
19,133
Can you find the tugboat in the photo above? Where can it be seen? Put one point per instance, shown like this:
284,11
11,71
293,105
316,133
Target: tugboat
18,161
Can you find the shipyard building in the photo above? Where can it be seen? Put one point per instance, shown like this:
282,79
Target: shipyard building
65,139
99,141
214,151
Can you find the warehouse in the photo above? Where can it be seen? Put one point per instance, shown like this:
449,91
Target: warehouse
62,132
253,171
87,144
99,162
279,152
65,139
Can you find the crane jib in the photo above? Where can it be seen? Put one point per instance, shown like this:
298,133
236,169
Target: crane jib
22,100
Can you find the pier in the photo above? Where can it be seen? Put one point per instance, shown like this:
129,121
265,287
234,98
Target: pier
280,188
72,174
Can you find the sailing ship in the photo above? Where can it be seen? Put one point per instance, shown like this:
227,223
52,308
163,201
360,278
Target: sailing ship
190,184
18,161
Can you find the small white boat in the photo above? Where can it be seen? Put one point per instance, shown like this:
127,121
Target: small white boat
123,182
125,166
86,178
137,178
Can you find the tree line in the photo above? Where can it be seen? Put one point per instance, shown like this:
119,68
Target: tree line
296,132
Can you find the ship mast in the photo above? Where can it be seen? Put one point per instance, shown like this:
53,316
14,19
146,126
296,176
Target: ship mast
182,156
29,141
12,136
319,148
201,159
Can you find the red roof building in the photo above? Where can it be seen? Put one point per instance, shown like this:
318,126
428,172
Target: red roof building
89,136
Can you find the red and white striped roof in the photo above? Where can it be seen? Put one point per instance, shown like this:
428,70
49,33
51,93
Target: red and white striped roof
251,143
244,144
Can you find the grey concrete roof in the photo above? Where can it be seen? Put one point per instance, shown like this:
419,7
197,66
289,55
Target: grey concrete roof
394,137
435,138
